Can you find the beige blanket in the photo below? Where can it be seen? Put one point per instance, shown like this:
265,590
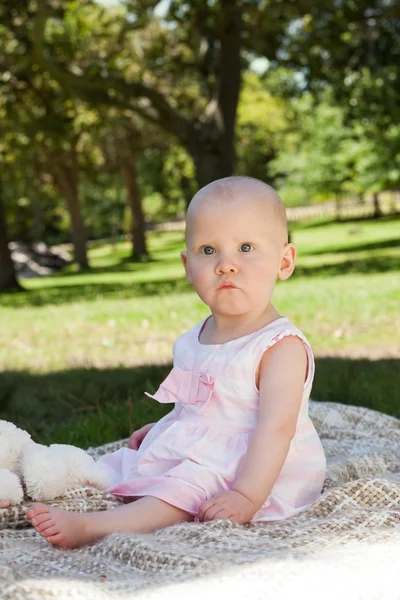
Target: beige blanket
347,545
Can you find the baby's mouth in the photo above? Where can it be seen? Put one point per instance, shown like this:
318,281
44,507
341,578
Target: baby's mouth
226,285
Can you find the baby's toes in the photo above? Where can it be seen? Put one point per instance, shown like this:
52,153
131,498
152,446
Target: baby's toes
56,540
39,519
51,531
45,525
37,509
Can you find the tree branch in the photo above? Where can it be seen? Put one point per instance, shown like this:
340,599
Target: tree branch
102,91
39,28
97,89
230,62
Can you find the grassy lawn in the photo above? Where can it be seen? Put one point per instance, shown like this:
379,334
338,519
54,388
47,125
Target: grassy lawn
77,351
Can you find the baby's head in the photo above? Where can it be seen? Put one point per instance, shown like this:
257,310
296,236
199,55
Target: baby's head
243,194
236,230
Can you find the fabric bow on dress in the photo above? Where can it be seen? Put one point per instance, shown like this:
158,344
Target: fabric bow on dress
184,386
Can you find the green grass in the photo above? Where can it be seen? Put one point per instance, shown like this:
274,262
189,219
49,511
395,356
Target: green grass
78,350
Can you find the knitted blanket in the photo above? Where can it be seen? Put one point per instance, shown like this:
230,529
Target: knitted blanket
347,545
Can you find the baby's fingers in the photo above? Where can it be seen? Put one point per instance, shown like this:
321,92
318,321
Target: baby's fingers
216,511
209,515
223,513
204,508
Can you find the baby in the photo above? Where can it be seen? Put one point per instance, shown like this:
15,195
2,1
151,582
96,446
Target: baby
239,443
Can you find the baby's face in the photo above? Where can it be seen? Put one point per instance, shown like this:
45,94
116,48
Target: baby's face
234,254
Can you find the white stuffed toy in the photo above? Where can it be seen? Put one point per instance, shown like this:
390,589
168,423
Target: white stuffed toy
45,471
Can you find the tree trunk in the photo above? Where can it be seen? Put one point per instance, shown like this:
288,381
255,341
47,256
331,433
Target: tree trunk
230,79
139,248
79,238
66,178
211,142
377,208
8,280
212,158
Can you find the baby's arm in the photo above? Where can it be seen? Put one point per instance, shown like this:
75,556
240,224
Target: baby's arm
282,374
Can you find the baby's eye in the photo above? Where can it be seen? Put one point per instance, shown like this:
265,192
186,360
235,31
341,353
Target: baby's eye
246,247
208,250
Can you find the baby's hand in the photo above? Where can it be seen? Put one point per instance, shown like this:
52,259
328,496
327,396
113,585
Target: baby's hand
227,505
138,436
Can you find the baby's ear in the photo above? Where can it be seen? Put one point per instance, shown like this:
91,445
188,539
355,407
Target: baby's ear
184,262
288,261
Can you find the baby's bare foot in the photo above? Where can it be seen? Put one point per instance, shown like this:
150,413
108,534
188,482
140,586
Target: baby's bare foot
59,527
5,503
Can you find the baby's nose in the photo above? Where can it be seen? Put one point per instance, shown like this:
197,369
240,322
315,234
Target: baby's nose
226,265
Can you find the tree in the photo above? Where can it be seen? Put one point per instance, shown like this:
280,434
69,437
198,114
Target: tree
64,167
54,128
260,128
8,278
187,66
376,159
36,108
312,165
207,128
352,49
123,139
349,45
170,174
66,133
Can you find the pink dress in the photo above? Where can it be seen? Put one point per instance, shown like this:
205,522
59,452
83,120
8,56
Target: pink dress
198,449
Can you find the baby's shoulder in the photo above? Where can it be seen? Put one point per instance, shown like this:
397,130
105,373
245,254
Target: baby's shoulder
275,330
273,333
284,328
188,338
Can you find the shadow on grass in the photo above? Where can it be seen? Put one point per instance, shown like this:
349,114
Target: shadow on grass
361,382
372,264
82,406
88,406
314,223
64,294
393,243
125,264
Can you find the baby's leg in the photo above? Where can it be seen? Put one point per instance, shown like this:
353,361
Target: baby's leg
69,530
